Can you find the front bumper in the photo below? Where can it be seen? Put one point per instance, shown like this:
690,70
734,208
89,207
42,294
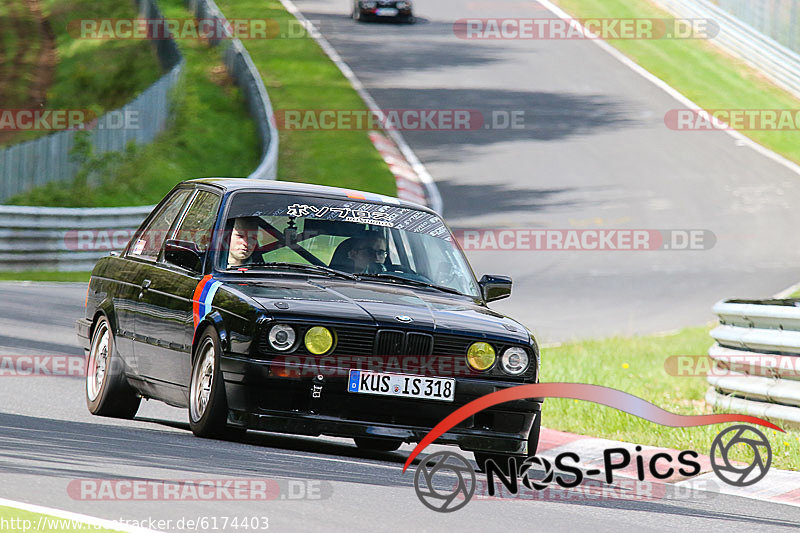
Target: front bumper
321,405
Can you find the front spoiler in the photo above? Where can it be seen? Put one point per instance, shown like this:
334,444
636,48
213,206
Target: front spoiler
315,425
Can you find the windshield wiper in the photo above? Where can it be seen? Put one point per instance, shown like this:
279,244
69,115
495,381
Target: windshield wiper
415,282
317,269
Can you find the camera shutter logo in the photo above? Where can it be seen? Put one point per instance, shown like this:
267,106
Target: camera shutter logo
541,462
741,475
439,467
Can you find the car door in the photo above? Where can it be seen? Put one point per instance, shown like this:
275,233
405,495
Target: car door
145,251
125,279
167,304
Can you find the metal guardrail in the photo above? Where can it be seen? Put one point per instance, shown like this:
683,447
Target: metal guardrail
36,162
757,359
775,60
241,68
779,19
66,239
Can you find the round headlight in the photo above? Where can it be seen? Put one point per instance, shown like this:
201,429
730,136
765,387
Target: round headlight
481,355
281,337
319,340
514,361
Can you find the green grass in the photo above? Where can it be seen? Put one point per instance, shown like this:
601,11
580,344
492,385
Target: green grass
298,75
212,135
699,70
45,275
98,75
18,520
20,35
636,365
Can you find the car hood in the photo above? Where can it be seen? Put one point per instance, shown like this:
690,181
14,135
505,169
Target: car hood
382,305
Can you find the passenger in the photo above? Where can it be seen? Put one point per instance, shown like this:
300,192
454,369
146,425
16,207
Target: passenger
369,254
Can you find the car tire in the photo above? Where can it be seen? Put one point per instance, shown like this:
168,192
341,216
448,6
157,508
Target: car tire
108,392
377,445
501,459
208,406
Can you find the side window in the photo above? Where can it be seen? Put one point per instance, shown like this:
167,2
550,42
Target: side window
148,243
198,223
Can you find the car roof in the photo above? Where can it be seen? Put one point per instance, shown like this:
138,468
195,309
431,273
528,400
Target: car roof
235,184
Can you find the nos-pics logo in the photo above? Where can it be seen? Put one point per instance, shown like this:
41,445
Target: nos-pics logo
446,481
442,496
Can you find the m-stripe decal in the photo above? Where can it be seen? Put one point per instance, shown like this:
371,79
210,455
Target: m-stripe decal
208,299
203,298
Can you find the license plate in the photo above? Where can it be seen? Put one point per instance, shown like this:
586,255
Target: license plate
386,12
402,385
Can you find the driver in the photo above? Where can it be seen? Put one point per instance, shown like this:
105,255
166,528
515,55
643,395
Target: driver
244,241
369,254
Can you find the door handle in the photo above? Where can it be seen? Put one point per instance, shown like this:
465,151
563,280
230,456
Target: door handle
145,285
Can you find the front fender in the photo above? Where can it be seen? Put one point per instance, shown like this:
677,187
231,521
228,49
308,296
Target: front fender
214,318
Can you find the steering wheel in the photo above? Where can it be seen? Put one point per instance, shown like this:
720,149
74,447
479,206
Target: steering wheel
407,270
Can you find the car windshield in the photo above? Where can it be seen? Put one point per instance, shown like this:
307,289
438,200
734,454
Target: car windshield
373,241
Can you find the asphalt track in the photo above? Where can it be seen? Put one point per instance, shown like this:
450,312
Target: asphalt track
595,154
49,441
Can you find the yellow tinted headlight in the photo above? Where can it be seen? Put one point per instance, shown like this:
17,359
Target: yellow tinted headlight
481,355
318,340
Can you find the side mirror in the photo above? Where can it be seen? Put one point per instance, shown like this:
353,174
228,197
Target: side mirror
495,287
183,254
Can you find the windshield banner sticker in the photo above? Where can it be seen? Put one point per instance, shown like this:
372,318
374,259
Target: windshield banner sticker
377,215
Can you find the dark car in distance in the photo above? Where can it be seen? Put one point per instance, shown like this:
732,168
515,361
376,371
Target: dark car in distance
306,310
398,10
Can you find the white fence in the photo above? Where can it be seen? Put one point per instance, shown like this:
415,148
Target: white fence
45,238
36,162
779,19
757,359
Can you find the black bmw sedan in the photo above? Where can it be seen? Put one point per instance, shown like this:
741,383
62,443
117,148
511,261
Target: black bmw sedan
306,310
